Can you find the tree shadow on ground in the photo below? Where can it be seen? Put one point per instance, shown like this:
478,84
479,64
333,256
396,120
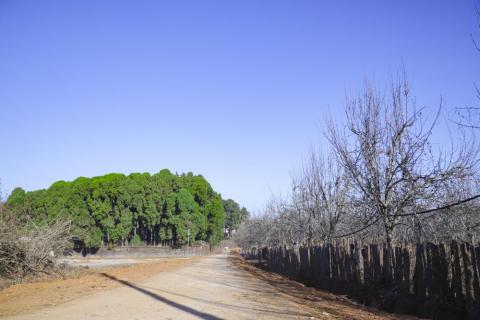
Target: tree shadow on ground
235,307
201,315
150,291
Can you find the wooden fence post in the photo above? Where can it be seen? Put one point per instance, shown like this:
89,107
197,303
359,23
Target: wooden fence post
367,273
443,272
398,266
376,263
387,261
444,276
418,277
456,276
467,271
406,269
476,280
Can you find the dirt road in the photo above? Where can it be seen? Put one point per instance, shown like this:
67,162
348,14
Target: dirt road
212,288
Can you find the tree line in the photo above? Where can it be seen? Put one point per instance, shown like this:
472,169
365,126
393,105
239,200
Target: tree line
382,177
136,209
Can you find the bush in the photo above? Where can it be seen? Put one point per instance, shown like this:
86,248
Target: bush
136,241
30,249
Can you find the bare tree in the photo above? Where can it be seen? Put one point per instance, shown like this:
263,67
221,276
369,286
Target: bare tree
470,116
382,181
312,212
387,154
254,232
319,193
460,222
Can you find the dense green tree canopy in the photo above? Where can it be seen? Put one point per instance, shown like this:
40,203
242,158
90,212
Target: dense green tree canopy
234,215
164,208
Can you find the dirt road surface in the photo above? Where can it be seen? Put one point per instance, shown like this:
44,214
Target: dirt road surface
216,287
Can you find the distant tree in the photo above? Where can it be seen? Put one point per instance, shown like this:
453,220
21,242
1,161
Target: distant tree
16,198
319,194
244,215
234,215
215,219
186,220
115,209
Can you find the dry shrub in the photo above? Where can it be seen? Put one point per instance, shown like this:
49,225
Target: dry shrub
30,249
236,250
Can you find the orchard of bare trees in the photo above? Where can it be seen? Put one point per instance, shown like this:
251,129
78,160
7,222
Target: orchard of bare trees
383,178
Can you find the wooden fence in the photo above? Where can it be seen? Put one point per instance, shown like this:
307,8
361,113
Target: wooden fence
141,251
429,280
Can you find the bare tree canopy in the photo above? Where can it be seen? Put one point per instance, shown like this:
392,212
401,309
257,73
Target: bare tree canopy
387,154
382,179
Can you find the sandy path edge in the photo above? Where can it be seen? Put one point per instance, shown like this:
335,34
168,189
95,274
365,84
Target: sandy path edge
30,297
216,287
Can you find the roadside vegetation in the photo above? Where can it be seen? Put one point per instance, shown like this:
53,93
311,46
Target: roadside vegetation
386,213
138,209
234,216
30,249
382,178
111,210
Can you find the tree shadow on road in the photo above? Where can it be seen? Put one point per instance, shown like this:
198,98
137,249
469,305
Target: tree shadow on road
240,308
201,315
235,307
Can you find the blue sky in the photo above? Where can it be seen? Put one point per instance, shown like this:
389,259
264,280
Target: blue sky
234,90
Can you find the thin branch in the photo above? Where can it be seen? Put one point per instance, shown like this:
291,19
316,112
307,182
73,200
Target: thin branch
448,206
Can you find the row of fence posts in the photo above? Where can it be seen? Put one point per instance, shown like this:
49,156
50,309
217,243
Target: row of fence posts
429,280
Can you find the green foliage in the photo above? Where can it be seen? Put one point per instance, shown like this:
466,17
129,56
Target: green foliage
93,238
216,219
136,241
116,209
234,215
17,197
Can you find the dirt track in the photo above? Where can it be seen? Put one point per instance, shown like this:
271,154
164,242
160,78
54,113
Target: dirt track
212,288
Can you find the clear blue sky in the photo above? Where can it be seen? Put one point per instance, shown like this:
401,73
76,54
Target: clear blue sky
234,90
